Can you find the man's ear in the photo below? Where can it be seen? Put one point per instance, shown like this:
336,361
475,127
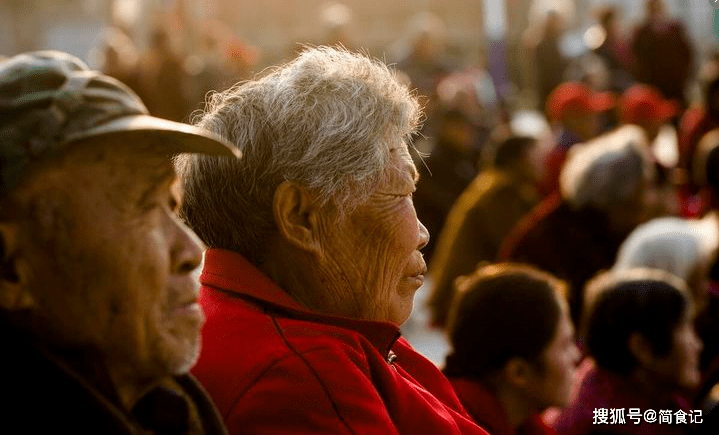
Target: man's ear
14,294
517,372
297,216
640,348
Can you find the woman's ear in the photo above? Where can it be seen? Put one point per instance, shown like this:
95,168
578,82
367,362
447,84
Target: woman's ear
640,348
297,216
14,292
517,372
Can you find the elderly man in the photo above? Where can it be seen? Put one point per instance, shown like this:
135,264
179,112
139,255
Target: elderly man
315,250
604,195
98,309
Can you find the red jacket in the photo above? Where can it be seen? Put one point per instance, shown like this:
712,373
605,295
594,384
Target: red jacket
273,367
485,409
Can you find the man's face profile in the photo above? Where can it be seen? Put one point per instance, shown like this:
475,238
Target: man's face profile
105,265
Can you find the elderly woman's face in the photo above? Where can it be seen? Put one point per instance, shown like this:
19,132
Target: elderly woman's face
376,249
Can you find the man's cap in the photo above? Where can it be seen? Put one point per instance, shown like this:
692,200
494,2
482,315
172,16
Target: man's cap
576,97
641,103
49,99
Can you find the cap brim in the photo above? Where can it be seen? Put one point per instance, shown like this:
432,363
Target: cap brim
179,137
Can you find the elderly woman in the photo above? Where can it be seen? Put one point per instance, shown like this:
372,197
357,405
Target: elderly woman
513,348
640,335
314,255
682,247
604,195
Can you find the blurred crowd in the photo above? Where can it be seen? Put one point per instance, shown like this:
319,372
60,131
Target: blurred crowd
572,258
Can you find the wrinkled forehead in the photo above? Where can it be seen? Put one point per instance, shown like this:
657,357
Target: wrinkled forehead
401,162
93,166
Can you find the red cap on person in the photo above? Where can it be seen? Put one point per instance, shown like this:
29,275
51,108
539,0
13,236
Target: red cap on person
575,96
641,103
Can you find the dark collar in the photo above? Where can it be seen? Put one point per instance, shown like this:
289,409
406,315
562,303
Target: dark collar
77,382
231,272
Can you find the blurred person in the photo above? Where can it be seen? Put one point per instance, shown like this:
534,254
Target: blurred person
549,61
576,233
98,305
425,61
646,107
644,353
314,246
222,60
513,351
161,79
663,53
685,248
473,92
614,50
451,166
574,111
482,216
706,168
695,124
118,57
706,173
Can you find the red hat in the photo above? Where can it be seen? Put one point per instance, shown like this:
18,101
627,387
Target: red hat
642,103
573,96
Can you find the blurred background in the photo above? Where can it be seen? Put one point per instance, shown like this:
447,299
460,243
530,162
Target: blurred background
217,42
482,67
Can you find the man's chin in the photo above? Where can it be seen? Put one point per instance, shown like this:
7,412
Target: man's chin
184,357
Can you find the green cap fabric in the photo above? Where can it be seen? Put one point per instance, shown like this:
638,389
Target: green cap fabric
49,99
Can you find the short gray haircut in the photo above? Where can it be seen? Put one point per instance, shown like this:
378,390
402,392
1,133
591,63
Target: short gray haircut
678,246
607,170
327,120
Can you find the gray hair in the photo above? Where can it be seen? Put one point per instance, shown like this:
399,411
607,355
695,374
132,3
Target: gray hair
327,120
608,170
678,246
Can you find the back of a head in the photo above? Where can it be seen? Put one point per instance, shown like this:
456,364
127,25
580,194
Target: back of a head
322,120
649,302
678,246
501,311
607,171
507,152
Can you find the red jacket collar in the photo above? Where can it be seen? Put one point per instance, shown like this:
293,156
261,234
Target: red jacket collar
231,272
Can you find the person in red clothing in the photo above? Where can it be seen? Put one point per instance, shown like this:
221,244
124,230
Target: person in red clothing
314,255
574,111
644,105
644,355
513,348
574,234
